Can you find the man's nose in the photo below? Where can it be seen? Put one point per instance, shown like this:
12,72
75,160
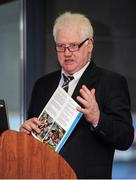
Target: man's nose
67,52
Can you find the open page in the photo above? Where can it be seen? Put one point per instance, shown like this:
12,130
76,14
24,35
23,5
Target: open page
59,117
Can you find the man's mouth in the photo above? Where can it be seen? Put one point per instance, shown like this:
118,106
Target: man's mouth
69,60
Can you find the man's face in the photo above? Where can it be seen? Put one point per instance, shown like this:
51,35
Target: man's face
71,62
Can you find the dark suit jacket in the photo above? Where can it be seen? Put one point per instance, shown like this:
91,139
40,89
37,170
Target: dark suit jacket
90,150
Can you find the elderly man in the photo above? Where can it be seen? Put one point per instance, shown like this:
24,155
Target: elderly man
103,95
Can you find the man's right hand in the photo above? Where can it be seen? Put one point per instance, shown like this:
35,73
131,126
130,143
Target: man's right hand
30,125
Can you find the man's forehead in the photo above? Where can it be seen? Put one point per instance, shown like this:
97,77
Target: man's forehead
66,35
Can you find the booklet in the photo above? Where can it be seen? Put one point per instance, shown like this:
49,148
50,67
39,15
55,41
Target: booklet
59,117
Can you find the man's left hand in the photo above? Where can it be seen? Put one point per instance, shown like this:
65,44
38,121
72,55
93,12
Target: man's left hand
91,110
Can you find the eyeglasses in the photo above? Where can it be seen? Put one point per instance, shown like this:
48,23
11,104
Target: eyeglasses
72,47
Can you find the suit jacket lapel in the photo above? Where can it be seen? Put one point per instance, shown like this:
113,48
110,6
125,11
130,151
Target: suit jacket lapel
89,78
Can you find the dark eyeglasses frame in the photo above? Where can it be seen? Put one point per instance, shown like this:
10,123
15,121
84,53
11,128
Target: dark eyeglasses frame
68,47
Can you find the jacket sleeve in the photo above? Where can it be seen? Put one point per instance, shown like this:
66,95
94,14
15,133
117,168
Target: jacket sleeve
115,123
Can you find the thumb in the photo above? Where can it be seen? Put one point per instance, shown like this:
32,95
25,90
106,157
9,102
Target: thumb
93,92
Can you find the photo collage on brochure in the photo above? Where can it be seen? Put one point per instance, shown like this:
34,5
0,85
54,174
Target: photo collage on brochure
51,133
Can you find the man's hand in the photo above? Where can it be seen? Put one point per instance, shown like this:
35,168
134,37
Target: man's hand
91,110
31,124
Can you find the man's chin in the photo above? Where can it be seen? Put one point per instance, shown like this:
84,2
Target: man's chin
69,71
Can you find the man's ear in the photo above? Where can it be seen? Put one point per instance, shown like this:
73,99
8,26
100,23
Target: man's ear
90,45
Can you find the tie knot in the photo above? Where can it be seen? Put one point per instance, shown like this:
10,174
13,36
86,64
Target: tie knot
67,78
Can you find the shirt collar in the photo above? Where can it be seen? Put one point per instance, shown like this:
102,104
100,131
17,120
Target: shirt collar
79,73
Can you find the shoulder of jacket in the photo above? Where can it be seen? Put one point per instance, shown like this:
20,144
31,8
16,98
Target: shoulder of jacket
108,74
49,76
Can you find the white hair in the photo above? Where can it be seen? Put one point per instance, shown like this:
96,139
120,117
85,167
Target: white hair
68,20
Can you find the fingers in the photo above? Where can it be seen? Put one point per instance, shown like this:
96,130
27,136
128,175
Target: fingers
87,97
90,107
30,125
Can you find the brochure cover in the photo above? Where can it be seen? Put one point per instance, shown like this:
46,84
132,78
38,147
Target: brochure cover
59,117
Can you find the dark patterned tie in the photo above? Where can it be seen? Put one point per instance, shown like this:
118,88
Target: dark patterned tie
67,79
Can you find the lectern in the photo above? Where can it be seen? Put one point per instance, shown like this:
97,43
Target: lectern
22,156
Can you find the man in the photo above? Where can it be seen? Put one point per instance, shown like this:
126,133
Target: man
103,96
